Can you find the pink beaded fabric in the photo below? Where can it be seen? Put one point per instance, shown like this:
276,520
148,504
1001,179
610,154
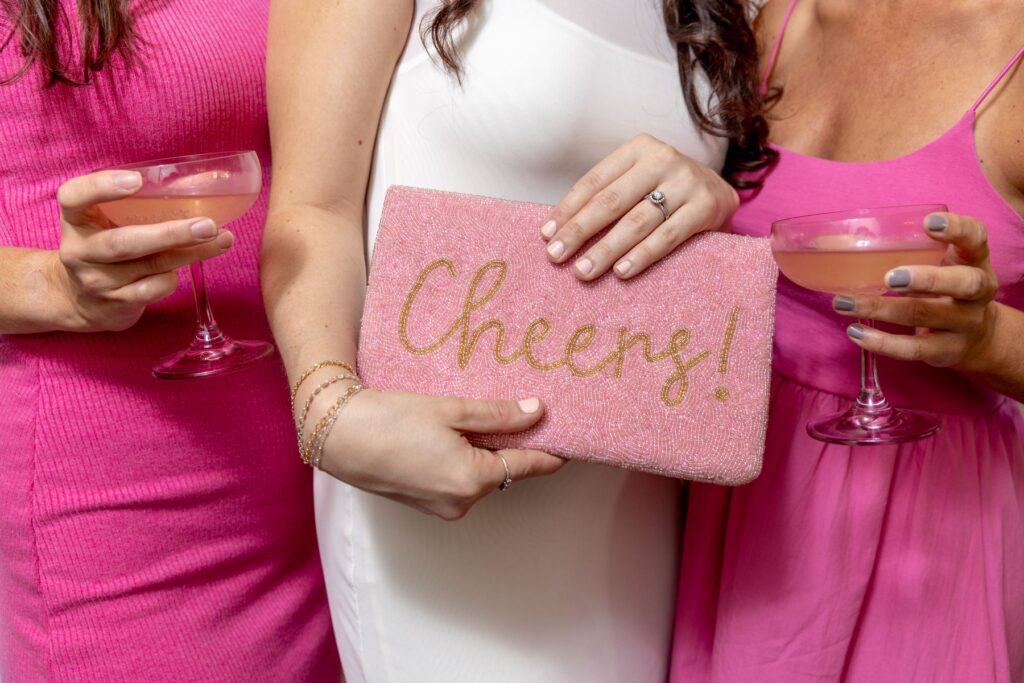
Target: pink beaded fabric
667,373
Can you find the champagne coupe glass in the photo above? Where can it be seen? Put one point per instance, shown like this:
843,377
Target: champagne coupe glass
849,252
221,186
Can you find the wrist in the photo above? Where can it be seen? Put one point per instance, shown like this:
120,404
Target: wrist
61,313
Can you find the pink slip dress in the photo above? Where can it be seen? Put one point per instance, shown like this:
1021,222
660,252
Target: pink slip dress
150,531
897,563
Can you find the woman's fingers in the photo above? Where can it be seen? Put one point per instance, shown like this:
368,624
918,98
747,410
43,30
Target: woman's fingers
491,417
77,197
594,181
527,463
964,283
920,312
940,349
172,259
147,290
689,220
607,206
967,235
116,245
641,221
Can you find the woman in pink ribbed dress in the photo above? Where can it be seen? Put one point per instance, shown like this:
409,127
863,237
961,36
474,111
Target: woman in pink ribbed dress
149,531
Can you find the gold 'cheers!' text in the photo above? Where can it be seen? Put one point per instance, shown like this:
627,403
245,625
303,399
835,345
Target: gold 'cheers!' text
673,390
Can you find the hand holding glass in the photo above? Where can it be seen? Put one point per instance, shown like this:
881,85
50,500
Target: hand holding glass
222,187
850,252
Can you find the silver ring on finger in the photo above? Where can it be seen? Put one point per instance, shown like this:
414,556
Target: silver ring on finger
657,197
507,481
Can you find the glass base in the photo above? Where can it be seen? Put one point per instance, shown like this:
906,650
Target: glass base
206,360
857,427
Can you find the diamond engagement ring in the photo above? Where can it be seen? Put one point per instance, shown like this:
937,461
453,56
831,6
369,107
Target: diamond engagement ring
508,475
658,199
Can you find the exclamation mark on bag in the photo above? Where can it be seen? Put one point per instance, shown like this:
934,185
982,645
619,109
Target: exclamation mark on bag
721,392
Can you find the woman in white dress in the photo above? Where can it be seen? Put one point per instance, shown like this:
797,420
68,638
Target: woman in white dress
560,579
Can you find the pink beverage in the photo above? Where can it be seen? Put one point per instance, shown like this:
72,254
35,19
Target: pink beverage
140,210
853,271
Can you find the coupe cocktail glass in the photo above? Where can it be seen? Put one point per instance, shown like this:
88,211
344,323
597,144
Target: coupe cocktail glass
219,186
849,252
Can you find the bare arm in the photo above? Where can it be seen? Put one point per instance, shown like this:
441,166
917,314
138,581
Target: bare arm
330,63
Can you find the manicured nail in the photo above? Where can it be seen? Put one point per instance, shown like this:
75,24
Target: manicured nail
855,332
129,180
584,266
843,303
529,405
225,240
204,229
622,268
548,229
898,278
556,249
936,222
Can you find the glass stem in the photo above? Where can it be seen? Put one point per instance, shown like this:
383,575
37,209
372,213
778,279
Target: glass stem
208,333
870,399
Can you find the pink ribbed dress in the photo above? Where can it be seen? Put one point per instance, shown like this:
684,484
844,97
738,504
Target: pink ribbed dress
150,531
875,564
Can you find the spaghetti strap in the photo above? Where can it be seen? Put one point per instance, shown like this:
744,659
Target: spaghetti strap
775,48
993,84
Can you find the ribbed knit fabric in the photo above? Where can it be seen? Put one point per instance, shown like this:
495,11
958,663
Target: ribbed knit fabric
150,530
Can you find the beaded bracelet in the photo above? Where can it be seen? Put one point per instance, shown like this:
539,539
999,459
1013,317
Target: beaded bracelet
314,446
300,422
309,371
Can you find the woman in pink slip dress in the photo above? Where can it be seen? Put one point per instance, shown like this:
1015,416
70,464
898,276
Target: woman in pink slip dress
149,531
896,563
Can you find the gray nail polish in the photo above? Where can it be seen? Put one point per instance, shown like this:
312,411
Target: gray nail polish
936,223
899,278
843,303
855,332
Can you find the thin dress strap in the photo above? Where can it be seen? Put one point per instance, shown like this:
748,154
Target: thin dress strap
775,48
993,84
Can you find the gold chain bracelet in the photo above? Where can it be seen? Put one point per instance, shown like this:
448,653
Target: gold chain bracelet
300,422
309,371
314,446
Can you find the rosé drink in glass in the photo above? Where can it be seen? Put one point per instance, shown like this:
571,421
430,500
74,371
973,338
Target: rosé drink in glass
222,187
849,252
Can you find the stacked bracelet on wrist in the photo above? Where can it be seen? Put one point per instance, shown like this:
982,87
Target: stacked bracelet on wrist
312,449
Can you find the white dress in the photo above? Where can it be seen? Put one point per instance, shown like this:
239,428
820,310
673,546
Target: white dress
566,579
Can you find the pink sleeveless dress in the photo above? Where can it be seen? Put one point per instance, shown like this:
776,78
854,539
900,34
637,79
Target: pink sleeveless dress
900,563
150,531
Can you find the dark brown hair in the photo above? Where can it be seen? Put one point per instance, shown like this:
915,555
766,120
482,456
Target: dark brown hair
42,32
713,34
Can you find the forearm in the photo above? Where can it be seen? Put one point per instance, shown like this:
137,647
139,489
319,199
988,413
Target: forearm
314,276
30,303
1001,362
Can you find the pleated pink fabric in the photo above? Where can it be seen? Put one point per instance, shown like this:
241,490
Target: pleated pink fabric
901,563
150,531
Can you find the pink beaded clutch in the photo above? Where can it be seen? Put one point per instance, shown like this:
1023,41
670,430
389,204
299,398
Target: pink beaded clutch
667,373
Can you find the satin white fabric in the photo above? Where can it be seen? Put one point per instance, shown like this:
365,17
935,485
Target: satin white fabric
570,578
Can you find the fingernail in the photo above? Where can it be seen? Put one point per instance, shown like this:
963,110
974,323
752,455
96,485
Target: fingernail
129,180
622,268
225,240
556,249
936,222
548,229
898,278
204,229
529,405
855,332
584,266
843,303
